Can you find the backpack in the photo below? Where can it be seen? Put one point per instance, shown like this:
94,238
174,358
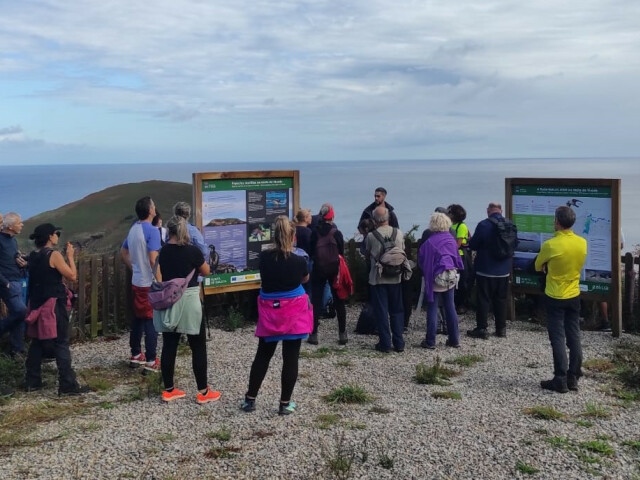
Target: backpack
326,259
505,239
367,321
391,262
446,278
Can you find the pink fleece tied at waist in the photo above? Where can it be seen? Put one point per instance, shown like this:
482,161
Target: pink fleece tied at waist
284,316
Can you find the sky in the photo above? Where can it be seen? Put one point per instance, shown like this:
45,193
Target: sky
89,81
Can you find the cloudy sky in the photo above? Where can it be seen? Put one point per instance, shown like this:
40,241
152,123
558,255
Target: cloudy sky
168,80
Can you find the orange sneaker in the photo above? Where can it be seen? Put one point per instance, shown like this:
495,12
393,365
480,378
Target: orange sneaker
174,394
208,396
153,366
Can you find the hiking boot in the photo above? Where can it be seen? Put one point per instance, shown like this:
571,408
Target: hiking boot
572,382
248,404
452,345
477,333
379,348
136,360
79,390
313,339
554,385
174,394
153,366
287,408
399,350
343,338
501,332
424,344
208,396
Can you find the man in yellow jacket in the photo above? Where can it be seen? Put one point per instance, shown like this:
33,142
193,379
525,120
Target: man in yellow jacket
562,258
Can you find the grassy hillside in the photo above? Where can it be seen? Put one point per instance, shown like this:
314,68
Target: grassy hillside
100,221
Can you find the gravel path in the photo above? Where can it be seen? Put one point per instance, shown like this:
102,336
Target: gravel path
482,435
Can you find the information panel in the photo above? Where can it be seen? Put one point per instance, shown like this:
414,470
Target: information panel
533,211
236,212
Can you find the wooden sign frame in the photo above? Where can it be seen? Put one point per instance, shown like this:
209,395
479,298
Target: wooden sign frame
264,193
576,191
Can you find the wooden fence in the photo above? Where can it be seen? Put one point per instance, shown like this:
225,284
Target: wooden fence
103,305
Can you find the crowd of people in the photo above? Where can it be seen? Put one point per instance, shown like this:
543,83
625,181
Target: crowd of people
298,275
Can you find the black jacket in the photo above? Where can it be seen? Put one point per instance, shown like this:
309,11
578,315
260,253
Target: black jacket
368,213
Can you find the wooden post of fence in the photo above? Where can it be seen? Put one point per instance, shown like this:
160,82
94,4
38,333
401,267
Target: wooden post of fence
117,291
94,297
106,289
82,296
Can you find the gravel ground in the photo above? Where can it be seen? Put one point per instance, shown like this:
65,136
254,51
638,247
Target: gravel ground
482,435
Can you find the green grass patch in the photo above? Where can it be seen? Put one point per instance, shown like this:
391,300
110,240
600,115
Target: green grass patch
526,468
584,423
601,447
447,395
598,364
106,405
560,442
380,410
346,363
222,452
544,412
165,437
223,434
436,374
355,426
327,420
466,360
349,393
586,458
595,410
635,444
233,320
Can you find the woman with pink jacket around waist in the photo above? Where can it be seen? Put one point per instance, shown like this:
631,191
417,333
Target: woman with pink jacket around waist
284,313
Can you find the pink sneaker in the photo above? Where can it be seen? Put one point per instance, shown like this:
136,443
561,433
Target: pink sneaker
152,366
136,360
208,396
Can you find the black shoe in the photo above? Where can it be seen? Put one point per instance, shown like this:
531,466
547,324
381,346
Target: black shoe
424,344
572,383
380,349
79,390
452,345
343,339
554,385
477,333
313,339
501,332
399,350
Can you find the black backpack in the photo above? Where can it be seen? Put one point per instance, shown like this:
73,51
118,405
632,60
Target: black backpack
504,240
326,259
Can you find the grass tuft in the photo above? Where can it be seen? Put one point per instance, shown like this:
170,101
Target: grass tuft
598,365
349,393
595,410
224,435
635,444
447,395
436,374
544,412
584,423
380,410
327,420
598,446
466,360
222,452
526,468
561,442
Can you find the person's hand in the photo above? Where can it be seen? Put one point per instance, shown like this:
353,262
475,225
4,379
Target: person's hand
21,262
70,251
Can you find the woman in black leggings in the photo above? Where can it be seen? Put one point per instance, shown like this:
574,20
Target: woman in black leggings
284,313
177,259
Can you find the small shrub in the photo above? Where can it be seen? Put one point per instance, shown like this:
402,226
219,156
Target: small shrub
595,410
448,395
233,320
339,460
466,360
598,365
544,413
433,375
525,468
349,393
598,446
224,435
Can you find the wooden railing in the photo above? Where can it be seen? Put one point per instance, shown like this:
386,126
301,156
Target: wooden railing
104,292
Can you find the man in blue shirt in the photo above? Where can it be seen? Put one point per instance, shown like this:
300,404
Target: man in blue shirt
11,277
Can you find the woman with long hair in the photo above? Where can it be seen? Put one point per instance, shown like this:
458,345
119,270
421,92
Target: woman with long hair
284,313
439,258
179,259
49,309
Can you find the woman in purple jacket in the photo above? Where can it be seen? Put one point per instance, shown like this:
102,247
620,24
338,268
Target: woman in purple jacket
439,258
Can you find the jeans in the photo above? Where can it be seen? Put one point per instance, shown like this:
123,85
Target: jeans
138,326
59,347
14,321
450,315
318,283
492,294
563,325
386,300
260,365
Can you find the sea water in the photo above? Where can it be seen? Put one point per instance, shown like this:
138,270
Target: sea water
415,187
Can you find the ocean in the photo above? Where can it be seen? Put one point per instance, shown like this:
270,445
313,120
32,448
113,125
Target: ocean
415,187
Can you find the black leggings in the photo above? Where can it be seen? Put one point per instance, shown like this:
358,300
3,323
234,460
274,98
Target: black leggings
318,281
198,344
260,365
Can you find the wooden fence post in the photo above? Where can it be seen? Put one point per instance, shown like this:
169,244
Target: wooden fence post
82,296
106,289
94,297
